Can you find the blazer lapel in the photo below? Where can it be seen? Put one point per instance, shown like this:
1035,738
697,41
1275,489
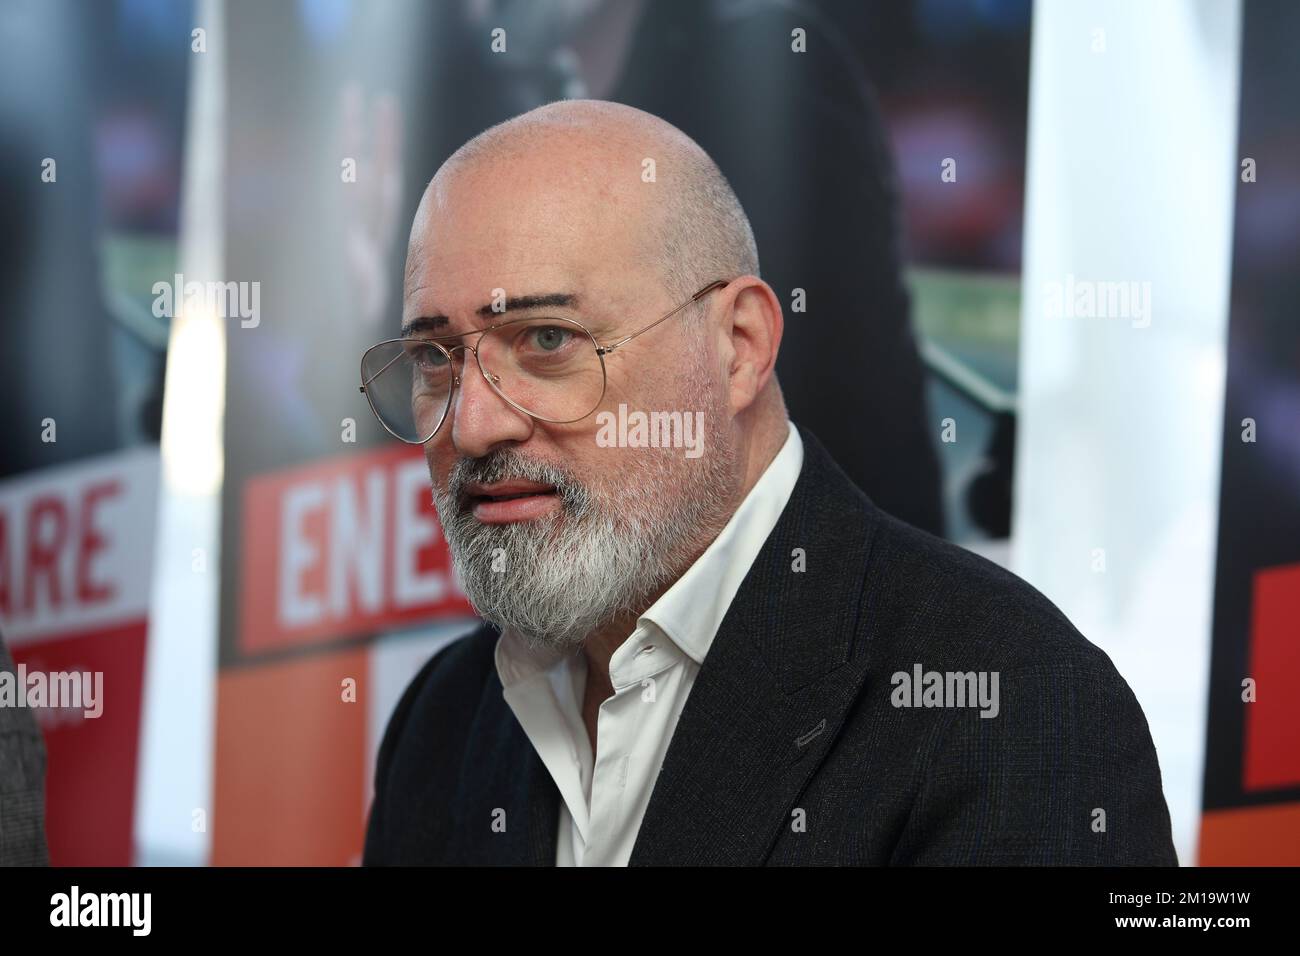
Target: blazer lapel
503,774
775,687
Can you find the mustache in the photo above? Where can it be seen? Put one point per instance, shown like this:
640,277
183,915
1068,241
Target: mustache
507,463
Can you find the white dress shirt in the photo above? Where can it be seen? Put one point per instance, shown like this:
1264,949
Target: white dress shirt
604,800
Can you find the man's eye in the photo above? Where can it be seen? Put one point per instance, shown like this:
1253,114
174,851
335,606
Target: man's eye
428,357
548,338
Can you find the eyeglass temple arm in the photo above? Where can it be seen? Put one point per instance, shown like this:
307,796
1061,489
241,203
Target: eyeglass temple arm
380,372
718,284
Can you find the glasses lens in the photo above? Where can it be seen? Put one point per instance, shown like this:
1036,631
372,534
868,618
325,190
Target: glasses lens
549,367
408,383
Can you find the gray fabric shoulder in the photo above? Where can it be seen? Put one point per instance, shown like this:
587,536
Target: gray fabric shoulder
22,784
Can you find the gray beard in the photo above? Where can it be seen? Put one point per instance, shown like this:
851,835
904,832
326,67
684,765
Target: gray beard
556,580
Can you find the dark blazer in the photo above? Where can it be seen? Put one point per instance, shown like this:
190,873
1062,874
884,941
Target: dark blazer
22,784
789,749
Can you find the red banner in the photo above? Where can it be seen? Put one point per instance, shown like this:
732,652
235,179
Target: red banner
341,547
76,546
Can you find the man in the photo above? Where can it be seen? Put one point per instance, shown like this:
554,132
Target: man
699,652
22,783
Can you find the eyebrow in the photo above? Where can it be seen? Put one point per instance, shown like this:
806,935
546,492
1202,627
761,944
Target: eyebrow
428,323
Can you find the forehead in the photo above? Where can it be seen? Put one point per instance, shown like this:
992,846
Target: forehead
523,228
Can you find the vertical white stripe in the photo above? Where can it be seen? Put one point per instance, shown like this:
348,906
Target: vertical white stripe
175,772
1132,173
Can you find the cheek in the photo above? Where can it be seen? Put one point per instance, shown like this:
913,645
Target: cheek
647,388
573,446
440,457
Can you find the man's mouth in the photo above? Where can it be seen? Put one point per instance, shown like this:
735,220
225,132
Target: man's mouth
502,502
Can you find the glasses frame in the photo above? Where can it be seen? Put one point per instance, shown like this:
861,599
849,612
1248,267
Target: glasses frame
493,381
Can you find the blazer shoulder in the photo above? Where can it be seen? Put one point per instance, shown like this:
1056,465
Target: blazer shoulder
925,599
1070,735
451,680
967,605
422,748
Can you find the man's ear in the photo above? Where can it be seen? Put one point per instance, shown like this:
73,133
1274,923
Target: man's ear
755,324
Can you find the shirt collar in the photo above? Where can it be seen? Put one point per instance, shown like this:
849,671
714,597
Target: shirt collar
518,663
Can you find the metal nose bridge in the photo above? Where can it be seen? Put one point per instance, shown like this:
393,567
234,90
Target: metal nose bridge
455,379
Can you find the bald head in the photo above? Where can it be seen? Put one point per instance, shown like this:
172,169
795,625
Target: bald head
627,170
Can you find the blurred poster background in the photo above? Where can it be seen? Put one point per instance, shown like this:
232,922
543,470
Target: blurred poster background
93,98
879,147
1252,761
333,572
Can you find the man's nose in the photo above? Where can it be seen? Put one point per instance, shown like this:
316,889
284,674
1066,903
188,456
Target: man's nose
482,419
